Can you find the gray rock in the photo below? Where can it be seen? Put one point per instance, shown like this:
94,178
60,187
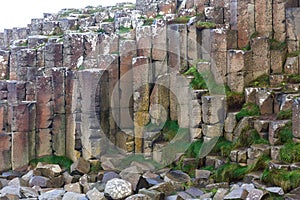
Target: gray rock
118,188
55,194
11,190
73,187
94,194
255,194
237,194
39,181
202,174
138,197
74,196
28,176
220,194
109,175
275,190
194,192
177,176
80,166
153,194
29,192
48,170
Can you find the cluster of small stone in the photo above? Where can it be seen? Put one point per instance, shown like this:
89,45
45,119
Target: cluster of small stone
49,181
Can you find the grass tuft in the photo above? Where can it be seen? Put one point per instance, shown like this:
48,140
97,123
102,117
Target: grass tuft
249,109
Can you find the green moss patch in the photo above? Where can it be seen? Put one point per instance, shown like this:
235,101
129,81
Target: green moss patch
63,161
290,152
285,179
248,109
207,25
261,81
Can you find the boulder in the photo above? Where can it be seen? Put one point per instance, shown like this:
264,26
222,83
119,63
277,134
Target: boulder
118,188
74,196
48,170
80,166
237,194
94,194
73,187
55,194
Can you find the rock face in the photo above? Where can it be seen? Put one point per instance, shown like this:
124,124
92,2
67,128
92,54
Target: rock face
101,85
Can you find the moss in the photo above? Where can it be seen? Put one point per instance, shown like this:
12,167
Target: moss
223,147
285,114
283,178
110,19
193,150
247,47
261,81
208,25
293,78
60,160
290,152
180,20
123,29
249,109
95,168
209,168
148,22
285,133
198,81
294,54
254,35
233,172
248,137
230,172
276,45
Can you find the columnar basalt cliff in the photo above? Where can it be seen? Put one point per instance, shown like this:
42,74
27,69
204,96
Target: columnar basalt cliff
154,79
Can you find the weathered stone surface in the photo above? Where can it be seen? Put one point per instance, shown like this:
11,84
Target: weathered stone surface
138,197
118,188
213,109
261,56
5,151
275,190
291,65
292,23
80,166
48,170
94,194
74,195
73,187
237,194
52,194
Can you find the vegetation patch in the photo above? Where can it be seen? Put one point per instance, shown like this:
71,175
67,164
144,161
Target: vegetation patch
276,45
283,178
223,147
293,78
294,54
180,20
207,25
109,20
261,81
286,133
123,29
290,152
285,114
233,172
248,109
198,81
63,161
248,137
